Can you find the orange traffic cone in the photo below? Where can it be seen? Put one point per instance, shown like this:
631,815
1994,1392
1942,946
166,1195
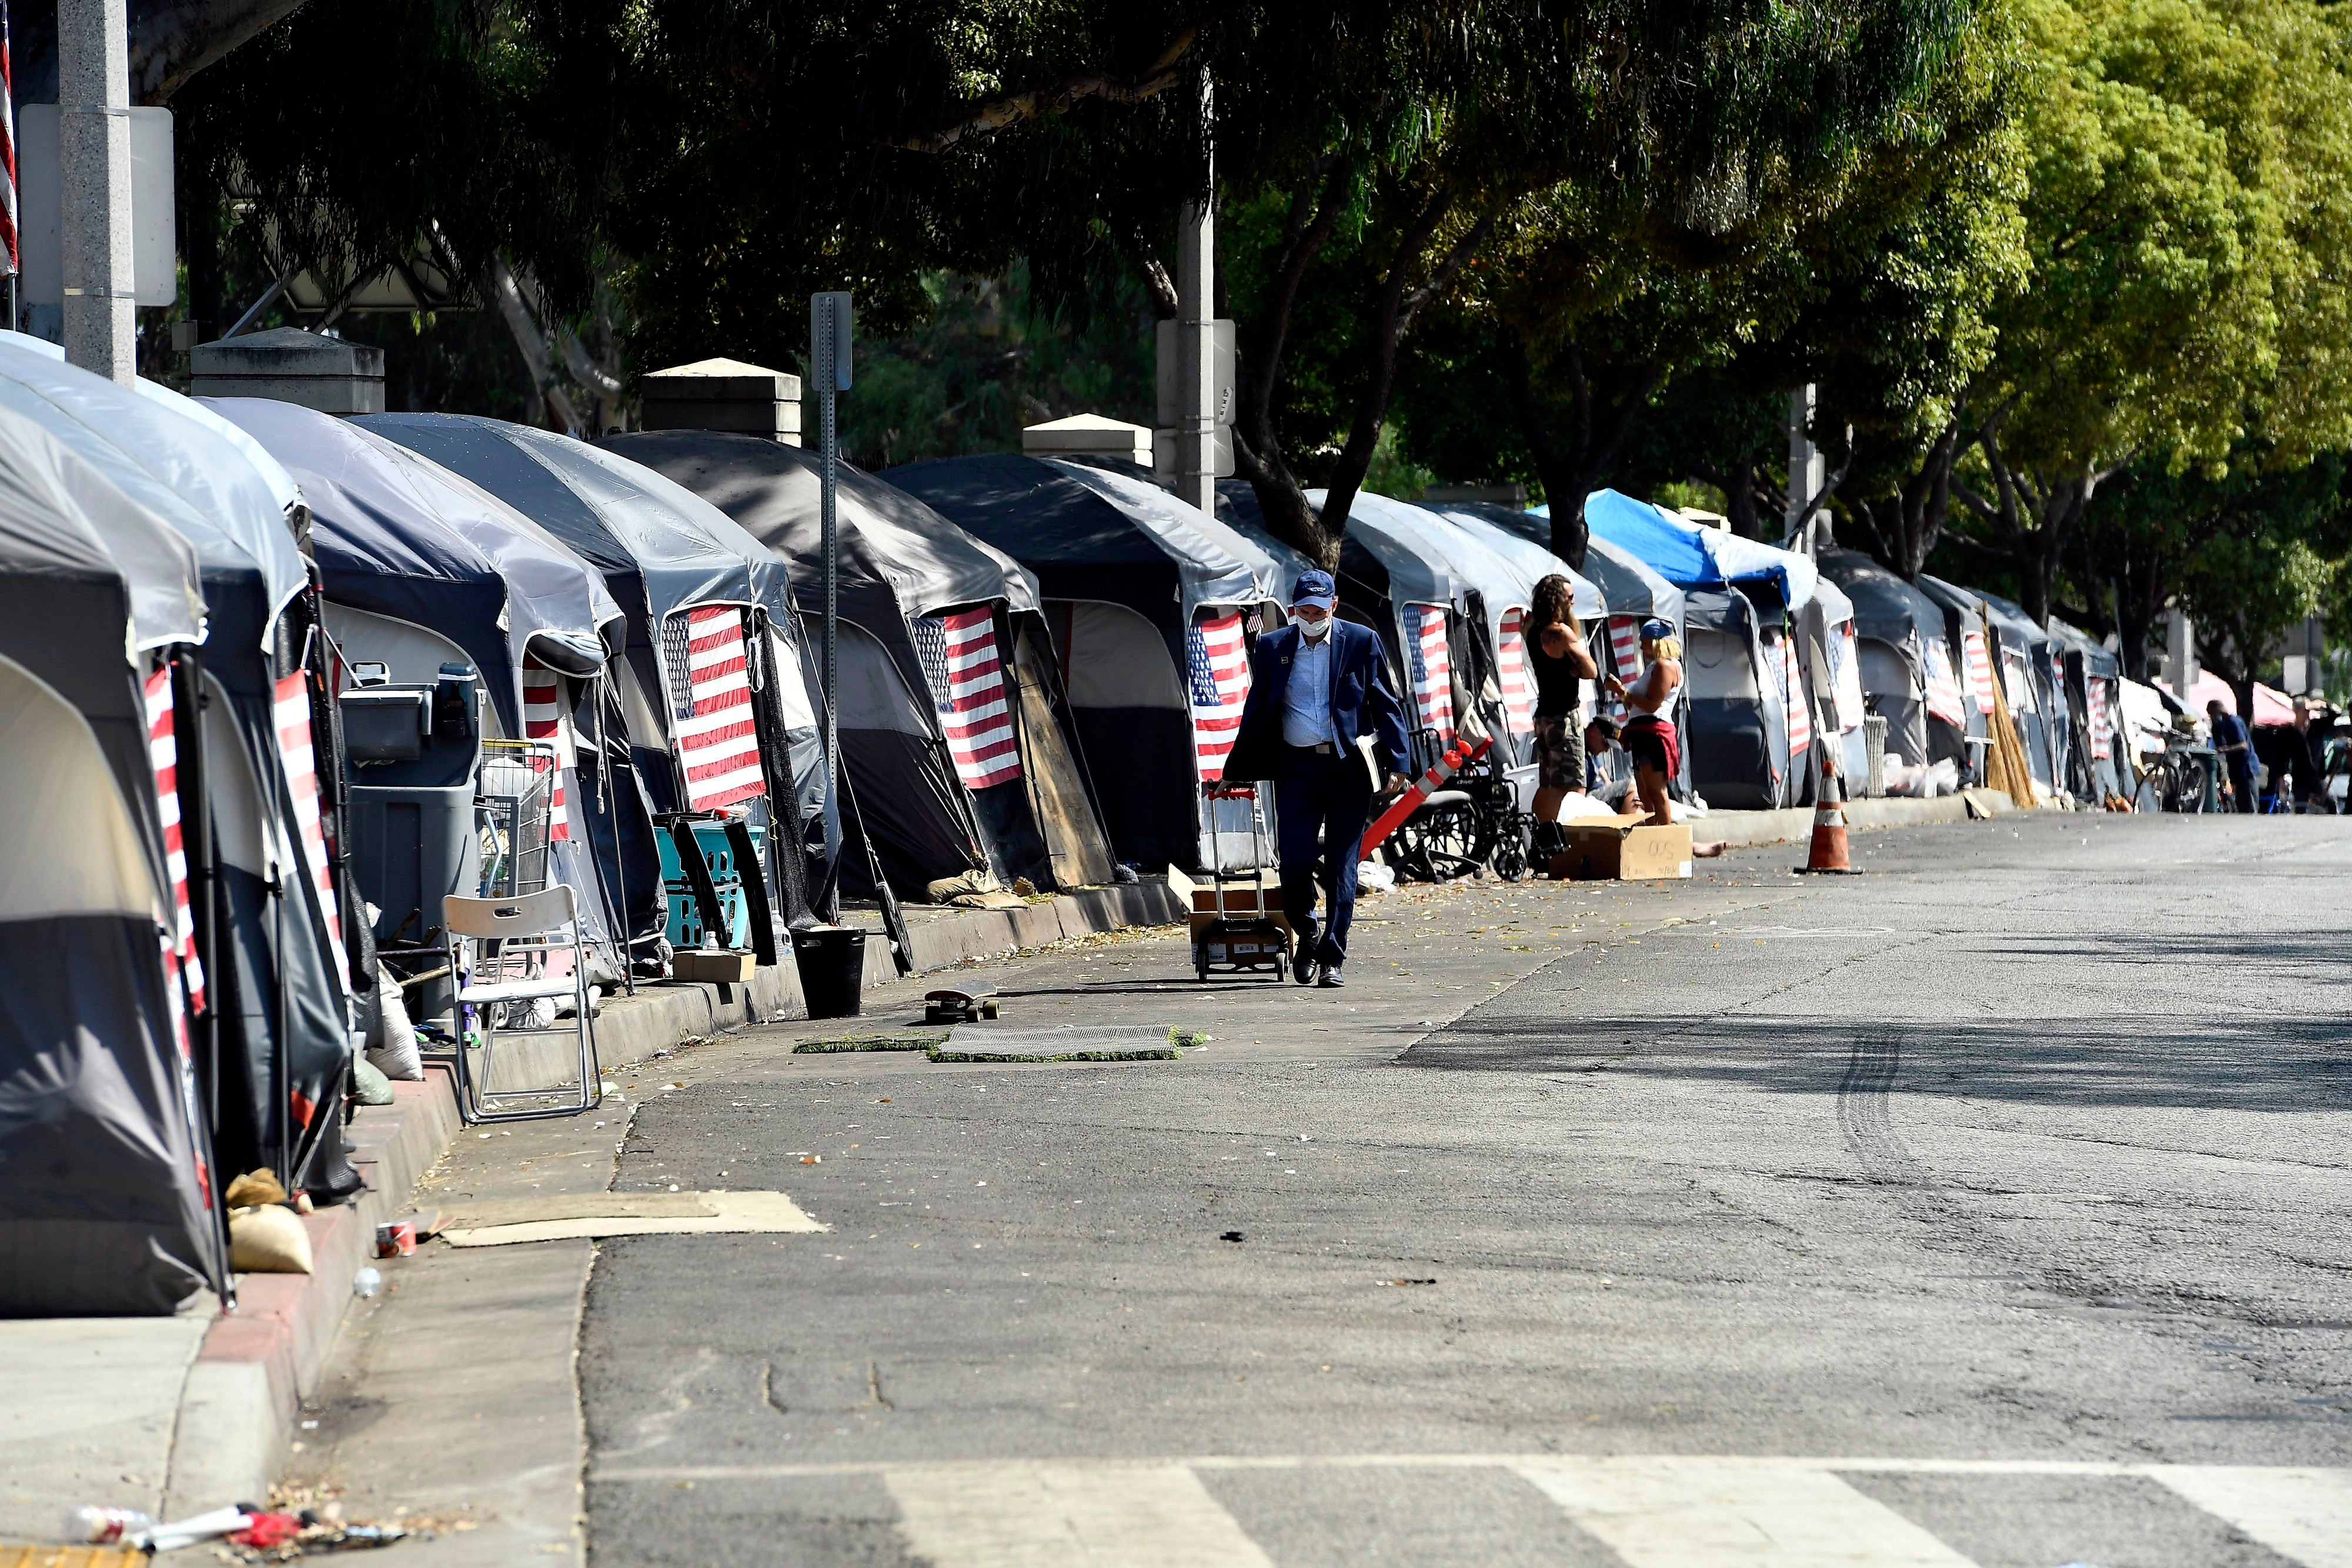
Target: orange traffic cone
1829,830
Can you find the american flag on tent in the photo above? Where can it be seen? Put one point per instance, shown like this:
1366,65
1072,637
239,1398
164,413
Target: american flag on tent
543,719
2015,675
1973,644
717,734
162,752
293,718
1518,689
1847,655
2094,692
958,653
1625,645
1944,699
1791,682
7,144
1433,671
1216,663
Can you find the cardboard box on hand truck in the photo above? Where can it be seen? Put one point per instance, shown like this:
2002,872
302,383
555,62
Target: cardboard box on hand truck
1620,848
1252,895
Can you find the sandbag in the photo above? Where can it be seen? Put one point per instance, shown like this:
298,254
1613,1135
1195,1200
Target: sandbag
392,1045
270,1239
369,1086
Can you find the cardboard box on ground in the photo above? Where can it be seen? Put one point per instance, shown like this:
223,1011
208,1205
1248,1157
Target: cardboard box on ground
1620,848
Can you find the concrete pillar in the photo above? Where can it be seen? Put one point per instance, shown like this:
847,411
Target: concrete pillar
1807,470
1196,310
2181,667
94,189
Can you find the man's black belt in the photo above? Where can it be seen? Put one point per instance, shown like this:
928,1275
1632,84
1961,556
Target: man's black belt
1320,749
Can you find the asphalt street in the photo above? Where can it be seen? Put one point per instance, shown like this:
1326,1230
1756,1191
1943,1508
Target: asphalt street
1991,1207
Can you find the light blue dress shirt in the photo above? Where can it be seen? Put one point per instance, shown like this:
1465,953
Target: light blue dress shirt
1307,700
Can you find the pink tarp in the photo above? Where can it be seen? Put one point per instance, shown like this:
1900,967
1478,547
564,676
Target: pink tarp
2271,705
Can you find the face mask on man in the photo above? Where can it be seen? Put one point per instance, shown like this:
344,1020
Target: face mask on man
1315,631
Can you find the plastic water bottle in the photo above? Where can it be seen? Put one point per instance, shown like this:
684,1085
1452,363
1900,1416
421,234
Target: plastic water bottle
366,1283
102,1526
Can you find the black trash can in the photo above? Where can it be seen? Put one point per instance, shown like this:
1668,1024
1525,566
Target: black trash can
833,970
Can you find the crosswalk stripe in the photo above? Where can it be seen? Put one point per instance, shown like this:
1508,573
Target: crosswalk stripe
2305,1514
1067,1516
1699,1513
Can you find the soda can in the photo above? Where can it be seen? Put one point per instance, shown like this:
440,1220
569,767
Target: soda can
396,1239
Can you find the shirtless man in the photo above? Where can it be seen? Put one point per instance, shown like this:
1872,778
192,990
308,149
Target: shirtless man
1649,736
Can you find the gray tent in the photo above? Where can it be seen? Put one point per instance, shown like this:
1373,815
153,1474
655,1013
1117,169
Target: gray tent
952,766
1151,602
1983,629
2093,677
682,571
104,1206
423,568
278,976
1629,585
1909,668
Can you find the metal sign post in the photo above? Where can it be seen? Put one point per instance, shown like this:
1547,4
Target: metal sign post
829,366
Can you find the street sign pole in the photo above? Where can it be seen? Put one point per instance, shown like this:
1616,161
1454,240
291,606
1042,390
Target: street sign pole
829,331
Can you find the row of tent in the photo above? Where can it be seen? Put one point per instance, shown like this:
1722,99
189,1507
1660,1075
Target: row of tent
258,666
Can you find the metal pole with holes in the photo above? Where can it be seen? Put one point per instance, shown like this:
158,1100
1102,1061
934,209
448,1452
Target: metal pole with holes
829,366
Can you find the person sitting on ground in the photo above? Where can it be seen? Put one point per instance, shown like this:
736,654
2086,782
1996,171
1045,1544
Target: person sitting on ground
1561,663
2234,744
1650,737
1601,741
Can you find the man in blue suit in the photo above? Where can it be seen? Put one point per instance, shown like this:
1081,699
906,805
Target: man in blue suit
1316,686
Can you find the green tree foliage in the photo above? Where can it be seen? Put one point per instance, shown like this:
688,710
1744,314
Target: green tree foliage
2187,280
991,359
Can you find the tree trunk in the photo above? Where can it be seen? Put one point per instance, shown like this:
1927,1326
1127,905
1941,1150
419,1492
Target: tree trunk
171,40
1600,423
1258,457
1905,527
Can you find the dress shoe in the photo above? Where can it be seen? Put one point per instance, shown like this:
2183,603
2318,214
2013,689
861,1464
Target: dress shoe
1304,971
1331,980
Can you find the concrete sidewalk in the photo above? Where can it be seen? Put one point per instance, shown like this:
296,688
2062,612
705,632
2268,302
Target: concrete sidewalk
178,1414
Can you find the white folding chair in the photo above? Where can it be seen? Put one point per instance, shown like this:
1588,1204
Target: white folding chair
505,952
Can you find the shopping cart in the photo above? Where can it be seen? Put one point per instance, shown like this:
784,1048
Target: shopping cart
1240,935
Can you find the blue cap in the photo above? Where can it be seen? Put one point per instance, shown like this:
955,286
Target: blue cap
1654,629
1314,587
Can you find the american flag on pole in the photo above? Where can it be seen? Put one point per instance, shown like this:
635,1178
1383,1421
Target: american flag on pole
958,653
1973,644
162,752
1625,645
1518,690
1944,699
543,719
719,738
2095,694
293,717
1433,671
7,143
1217,664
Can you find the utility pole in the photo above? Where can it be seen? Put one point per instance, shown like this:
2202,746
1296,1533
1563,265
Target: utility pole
94,186
829,367
1807,470
1196,309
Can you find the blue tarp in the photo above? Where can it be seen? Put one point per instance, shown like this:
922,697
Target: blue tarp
1690,556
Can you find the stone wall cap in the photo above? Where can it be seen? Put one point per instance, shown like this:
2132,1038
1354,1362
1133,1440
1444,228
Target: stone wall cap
720,378
287,350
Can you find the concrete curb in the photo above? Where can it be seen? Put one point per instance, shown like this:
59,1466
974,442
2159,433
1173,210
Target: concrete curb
1743,830
244,1391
